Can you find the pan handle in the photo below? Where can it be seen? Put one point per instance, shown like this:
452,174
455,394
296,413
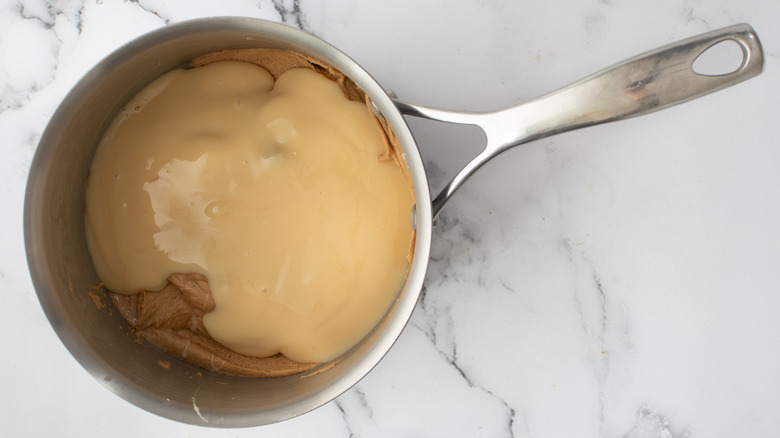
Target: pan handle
649,82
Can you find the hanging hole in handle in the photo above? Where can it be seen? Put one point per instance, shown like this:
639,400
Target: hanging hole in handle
720,59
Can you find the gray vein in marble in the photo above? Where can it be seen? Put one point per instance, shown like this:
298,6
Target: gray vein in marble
291,14
452,239
344,415
652,424
439,254
449,230
437,315
53,9
355,407
151,11
688,15
451,358
361,396
433,321
472,384
598,350
45,15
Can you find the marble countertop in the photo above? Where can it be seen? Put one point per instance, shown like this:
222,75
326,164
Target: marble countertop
619,281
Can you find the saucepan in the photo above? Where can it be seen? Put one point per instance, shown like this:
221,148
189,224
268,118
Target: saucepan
99,339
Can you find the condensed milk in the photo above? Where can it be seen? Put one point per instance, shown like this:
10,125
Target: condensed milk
279,191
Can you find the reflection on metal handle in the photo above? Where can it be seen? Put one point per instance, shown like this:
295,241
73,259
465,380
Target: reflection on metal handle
649,82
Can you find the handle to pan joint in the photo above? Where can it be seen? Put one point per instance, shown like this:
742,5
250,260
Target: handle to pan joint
640,85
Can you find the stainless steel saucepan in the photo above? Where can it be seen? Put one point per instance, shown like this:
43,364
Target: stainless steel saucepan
62,271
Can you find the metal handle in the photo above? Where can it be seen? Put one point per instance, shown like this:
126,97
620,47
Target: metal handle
649,82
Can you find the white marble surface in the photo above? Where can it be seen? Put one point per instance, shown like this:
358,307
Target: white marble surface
620,281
